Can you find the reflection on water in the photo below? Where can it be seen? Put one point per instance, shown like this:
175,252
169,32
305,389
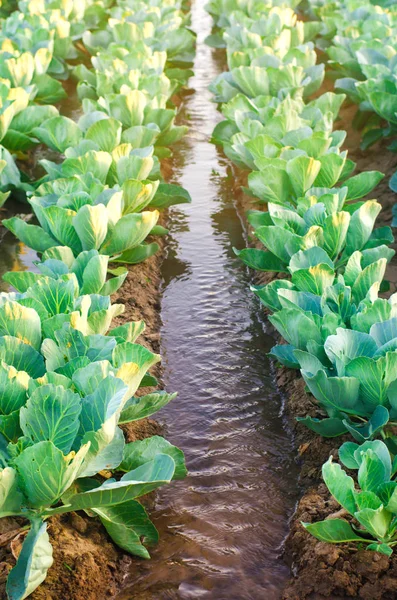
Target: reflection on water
14,256
174,268
222,528
71,106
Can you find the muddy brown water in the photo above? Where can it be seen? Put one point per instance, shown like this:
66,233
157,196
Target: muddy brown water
223,527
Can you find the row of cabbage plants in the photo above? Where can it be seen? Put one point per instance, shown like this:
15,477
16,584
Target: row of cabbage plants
321,243
360,42
40,46
68,379
37,44
96,197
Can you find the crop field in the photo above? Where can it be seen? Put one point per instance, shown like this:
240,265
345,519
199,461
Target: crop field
198,299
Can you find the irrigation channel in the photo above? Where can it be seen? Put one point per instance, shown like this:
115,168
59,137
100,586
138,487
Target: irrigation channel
229,518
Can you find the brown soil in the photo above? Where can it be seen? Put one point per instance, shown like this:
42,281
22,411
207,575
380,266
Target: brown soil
86,563
323,571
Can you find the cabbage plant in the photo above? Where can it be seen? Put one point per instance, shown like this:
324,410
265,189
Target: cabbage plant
138,64
20,136
365,59
12,101
370,507
18,118
318,230
144,120
140,68
105,151
268,53
29,71
275,27
63,398
169,36
283,56
35,45
315,301
280,79
76,207
132,116
166,26
57,302
134,89
88,271
258,146
29,358
369,81
50,471
39,39
361,42
280,12
37,25
323,236
352,375
87,227
328,218
261,128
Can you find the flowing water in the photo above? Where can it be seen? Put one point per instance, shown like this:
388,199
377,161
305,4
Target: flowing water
223,527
